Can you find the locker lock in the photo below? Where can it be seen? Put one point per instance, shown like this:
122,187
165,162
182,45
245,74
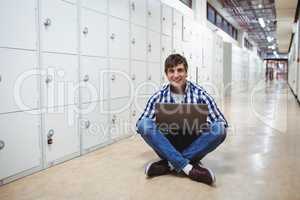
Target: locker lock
2,144
133,77
114,118
0,78
113,77
134,113
50,136
87,124
113,36
133,6
164,19
85,30
48,79
149,77
149,48
163,48
86,78
47,22
133,41
149,13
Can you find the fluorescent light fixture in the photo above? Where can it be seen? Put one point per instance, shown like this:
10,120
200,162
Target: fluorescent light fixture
259,6
271,47
270,39
261,22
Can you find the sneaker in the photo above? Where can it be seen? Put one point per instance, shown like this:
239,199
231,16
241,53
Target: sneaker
202,174
157,168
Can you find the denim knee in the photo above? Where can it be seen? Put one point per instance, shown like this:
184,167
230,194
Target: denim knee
143,125
219,131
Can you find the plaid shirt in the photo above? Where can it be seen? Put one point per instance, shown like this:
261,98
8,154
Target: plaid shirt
193,94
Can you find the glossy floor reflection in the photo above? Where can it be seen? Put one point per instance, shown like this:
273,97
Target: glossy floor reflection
259,160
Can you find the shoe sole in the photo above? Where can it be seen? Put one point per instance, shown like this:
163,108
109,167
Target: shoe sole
213,176
147,167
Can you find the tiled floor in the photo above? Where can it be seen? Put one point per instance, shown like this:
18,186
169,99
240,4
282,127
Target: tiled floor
258,160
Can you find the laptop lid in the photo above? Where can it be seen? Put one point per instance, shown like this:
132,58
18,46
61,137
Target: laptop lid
188,118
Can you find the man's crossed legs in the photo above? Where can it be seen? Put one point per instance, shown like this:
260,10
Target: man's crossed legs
186,159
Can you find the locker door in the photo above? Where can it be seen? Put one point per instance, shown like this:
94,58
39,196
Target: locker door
93,33
119,8
153,46
93,79
138,43
120,118
61,126
136,109
97,5
15,17
154,15
139,77
166,20
166,48
59,80
138,12
187,29
177,25
94,125
120,81
154,77
58,26
18,78
119,38
19,143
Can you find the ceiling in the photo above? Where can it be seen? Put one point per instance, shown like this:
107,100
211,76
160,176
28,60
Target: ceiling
277,15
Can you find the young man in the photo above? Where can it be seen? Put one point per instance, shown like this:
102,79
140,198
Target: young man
174,155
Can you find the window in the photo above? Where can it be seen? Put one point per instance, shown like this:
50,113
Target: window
214,17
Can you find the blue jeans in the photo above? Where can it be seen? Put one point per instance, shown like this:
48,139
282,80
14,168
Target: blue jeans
199,147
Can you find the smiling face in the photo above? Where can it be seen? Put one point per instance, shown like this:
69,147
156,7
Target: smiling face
177,77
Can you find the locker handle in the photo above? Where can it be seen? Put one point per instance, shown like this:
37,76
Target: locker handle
133,6
163,48
113,36
164,19
49,136
2,144
48,79
0,78
149,77
113,77
133,77
133,41
149,13
114,119
87,124
86,78
85,30
47,22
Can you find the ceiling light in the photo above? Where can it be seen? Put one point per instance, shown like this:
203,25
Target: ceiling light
270,39
271,47
261,22
259,6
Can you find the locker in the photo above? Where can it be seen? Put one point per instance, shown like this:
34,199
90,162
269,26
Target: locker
120,118
94,125
136,109
120,81
118,38
18,78
138,12
138,43
166,20
154,77
19,143
177,25
93,33
154,15
119,8
153,47
58,26
59,79
61,137
97,5
166,47
177,46
93,79
139,77
15,17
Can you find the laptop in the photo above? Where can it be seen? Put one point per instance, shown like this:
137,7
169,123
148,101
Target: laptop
181,118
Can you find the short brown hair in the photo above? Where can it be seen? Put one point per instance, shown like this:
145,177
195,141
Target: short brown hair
173,60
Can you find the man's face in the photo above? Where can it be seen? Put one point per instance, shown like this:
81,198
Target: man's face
177,76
